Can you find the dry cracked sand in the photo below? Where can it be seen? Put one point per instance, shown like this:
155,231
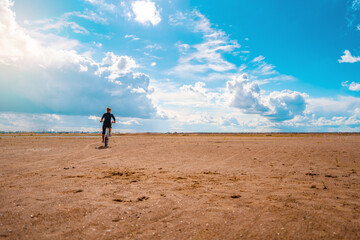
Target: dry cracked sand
153,186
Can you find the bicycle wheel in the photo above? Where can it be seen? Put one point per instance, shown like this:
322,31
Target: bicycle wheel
106,137
106,141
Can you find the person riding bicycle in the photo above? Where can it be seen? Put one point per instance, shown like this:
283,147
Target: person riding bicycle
106,118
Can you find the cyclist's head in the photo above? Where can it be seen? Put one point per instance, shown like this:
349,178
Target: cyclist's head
108,109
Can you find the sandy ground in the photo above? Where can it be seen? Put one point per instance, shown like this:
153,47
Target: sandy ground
180,187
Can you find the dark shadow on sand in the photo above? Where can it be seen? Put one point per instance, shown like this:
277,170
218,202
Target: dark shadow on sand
102,147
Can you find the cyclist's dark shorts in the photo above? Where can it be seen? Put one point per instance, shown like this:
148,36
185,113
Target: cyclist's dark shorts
104,128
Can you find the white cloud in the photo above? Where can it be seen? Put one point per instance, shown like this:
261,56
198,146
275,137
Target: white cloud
88,15
64,123
277,106
240,102
130,122
354,86
322,124
133,37
47,78
207,60
83,68
102,4
232,121
340,106
264,68
197,108
352,13
206,56
182,47
186,104
152,56
14,43
95,118
153,64
153,46
185,95
177,19
138,90
64,22
104,36
348,58
286,105
98,44
146,12
59,24
197,88
116,66
258,59
356,5
28,122
246,95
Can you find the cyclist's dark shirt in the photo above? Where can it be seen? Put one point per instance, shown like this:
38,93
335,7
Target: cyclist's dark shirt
107,119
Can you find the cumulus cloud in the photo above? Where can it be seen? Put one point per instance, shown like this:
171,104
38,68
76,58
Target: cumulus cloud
246,95
277,106
185,103
348,58
46,78
197,88
201,96
146,12
116,66
197,108
233,107
354,86
286,104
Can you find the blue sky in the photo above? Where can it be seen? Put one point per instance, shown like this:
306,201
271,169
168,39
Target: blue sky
180,65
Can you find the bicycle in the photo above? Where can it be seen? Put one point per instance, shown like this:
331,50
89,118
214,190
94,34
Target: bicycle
107,135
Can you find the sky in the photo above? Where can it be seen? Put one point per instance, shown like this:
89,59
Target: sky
180,65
